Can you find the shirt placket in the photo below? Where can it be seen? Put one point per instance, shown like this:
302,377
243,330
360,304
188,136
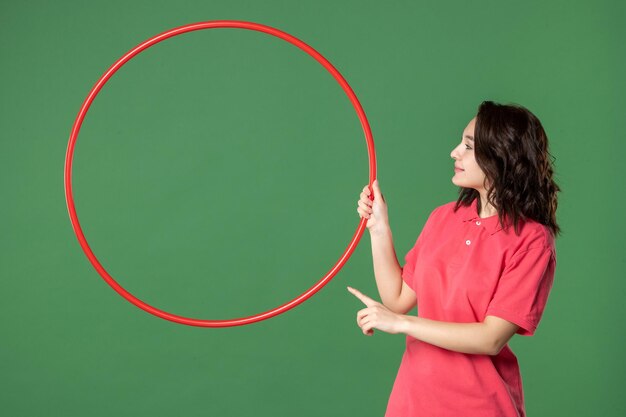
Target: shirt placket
467,240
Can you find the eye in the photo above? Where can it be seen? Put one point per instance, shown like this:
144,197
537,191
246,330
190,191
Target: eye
467,146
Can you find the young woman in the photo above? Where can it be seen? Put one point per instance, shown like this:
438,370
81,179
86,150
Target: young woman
479,272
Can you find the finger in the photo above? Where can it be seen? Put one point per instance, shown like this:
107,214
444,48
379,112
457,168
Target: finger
365,199
367,193
365,207
370,193
364,320
362,213
364,298
361,314
367,328
366,332
377,193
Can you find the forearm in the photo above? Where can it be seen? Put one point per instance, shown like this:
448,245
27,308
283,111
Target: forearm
459,337
387,270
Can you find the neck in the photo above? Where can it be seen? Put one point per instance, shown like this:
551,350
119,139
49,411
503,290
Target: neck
486,209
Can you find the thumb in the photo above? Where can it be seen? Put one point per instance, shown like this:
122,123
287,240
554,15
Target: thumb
377,194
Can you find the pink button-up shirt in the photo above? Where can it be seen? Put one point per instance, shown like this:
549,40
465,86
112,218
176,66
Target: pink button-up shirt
462,269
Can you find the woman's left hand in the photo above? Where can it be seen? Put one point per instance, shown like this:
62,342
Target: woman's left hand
376,316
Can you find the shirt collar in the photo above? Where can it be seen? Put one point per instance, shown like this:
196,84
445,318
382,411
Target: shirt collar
470,213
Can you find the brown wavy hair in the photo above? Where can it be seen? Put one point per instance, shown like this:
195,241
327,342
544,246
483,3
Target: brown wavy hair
511,148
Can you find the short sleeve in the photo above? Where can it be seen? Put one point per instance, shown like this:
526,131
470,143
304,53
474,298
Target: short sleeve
410,259
523,288
409,263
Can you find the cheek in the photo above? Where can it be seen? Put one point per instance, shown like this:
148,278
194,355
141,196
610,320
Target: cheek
477,172
472,163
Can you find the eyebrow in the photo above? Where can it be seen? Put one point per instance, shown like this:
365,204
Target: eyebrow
469,137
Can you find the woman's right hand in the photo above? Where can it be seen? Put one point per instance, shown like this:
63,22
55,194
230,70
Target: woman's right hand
375,211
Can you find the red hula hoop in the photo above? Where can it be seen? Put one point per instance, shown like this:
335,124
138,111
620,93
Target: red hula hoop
117,65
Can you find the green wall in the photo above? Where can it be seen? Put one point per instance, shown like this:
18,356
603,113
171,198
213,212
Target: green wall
217,174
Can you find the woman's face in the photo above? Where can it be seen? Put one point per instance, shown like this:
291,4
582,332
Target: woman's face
467,173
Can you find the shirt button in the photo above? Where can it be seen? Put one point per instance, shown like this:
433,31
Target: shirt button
467,242
478,223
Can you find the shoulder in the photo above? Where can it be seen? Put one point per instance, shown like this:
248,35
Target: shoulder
443,217
446,213
533,236
444,209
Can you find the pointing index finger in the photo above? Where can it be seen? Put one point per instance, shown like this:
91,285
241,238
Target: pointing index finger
364,298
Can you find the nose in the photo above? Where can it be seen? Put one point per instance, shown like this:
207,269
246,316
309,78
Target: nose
455,153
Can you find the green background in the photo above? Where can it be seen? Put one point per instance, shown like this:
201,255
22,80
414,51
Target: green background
217,174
